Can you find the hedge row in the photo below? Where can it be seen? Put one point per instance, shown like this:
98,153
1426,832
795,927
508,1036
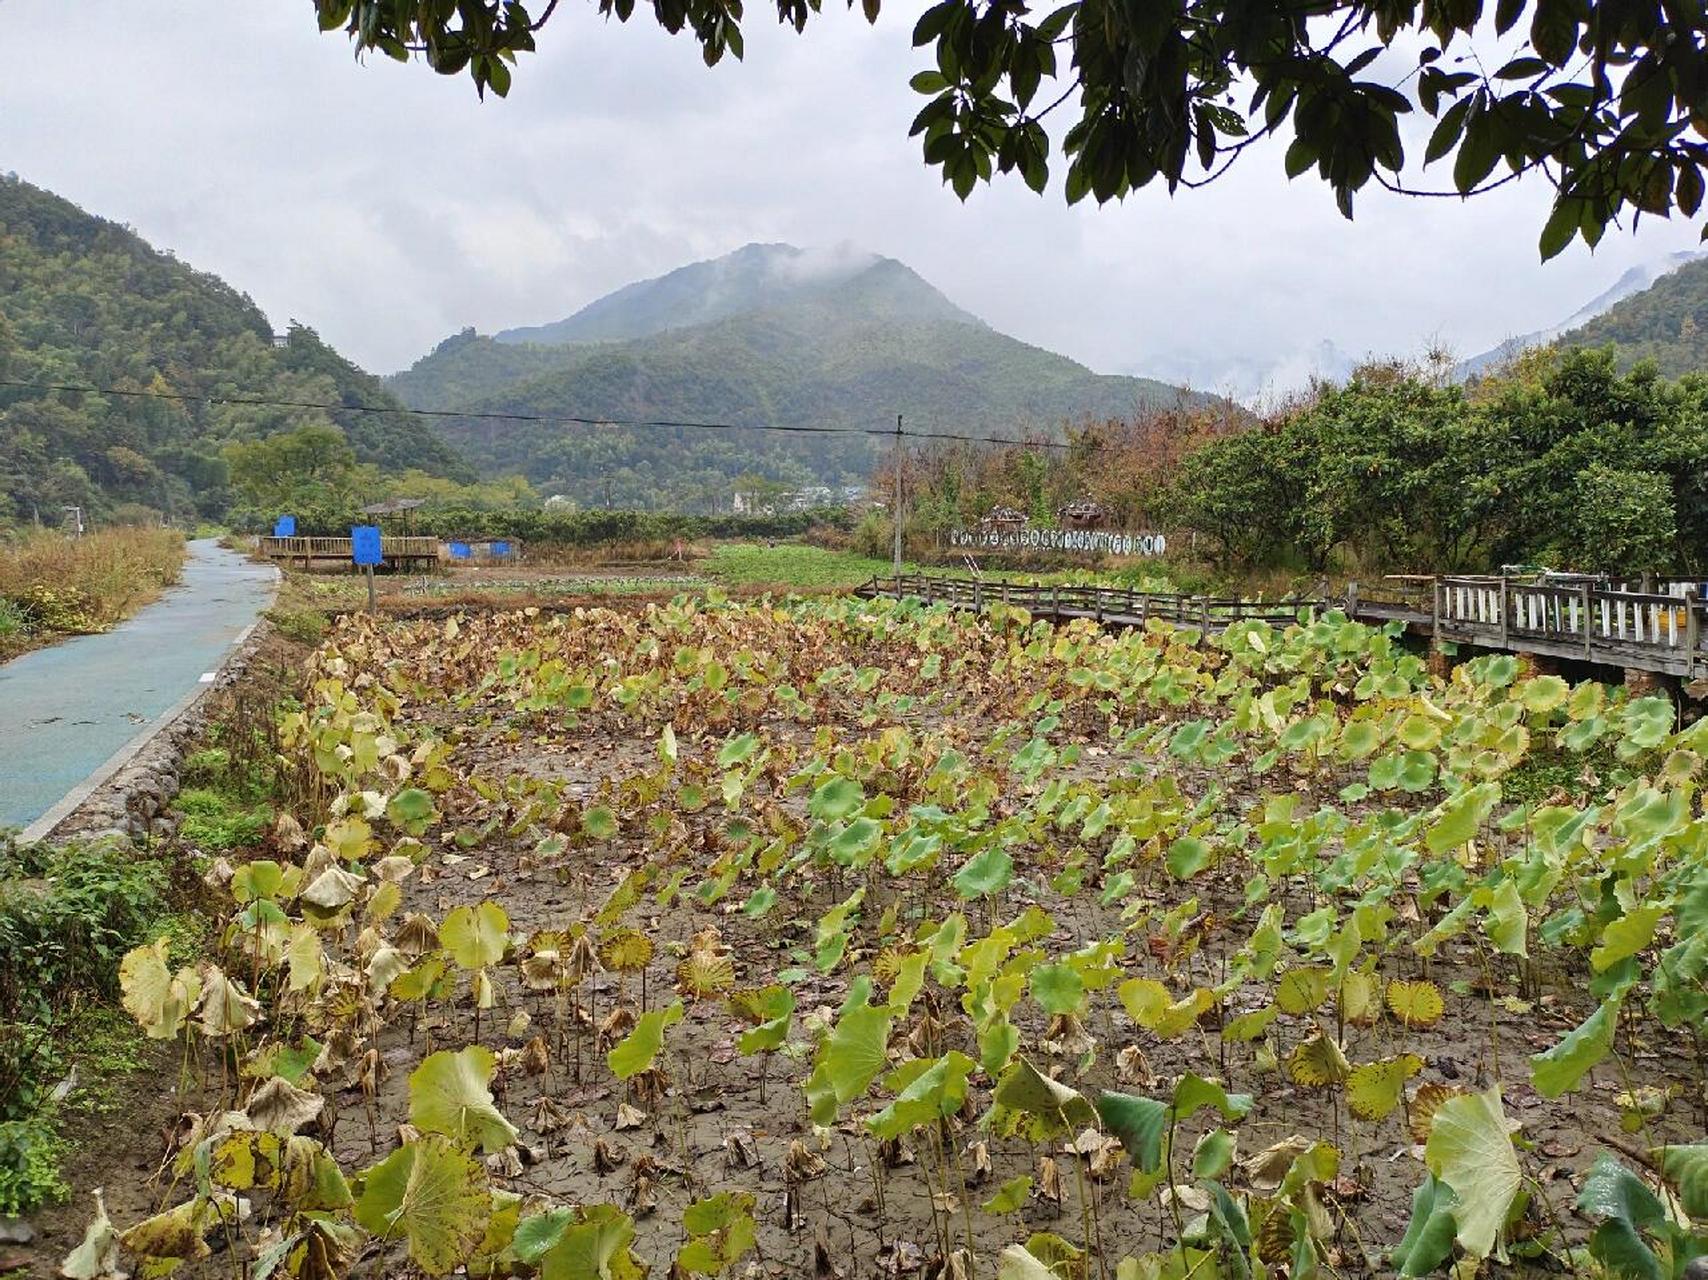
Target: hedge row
570,528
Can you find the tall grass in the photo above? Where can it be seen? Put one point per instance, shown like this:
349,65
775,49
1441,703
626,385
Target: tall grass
53,585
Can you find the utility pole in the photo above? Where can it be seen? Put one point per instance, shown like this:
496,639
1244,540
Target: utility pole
895,513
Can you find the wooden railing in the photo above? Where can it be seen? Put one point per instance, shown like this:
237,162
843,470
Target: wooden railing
1118,606
415,547
1644,630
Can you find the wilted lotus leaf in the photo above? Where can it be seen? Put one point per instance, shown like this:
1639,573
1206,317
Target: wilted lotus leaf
386,963
225,1006
416,936
176,1233
281,1107
625,950
313,1182
704,973
1416,1004
247,1159
331,891
351,839
1424,1103
1318,1061
540,971
393,869
153,995
1373,1089
97,1257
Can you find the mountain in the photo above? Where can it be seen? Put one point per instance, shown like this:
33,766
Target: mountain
752,278
770,335
1634,281
1667,323
85,301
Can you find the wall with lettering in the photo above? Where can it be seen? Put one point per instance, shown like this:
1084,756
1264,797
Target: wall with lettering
1101,541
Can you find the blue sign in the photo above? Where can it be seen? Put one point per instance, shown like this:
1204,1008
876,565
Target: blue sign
459,550
365,544
285,527
500,550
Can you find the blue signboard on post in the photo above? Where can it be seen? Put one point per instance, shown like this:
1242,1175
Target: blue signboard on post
285,527
460,551
365,544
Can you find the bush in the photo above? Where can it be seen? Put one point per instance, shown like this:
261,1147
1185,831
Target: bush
67,916
30,1152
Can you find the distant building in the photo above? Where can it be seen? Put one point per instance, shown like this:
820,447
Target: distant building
756,501
1000,518
1083,514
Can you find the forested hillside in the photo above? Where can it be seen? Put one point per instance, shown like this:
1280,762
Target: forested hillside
1666,323
848,350
85,301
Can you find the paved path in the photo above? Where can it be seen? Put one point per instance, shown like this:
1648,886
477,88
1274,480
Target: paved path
66,710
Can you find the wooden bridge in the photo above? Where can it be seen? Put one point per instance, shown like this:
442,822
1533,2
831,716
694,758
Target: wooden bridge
1658,632
307,553
1655,631
1111,606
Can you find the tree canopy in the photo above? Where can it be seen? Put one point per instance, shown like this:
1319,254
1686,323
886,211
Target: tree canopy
1607,99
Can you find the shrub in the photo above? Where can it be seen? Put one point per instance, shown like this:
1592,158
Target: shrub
30,1152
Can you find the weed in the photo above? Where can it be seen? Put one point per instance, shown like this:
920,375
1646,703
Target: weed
30,1152
303,626
218,822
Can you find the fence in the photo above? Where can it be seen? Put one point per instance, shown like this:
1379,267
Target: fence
1115,606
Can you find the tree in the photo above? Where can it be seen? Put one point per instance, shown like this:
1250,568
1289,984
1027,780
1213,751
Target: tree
1609,100
1623,521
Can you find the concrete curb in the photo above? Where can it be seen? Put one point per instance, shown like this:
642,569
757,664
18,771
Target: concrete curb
73,800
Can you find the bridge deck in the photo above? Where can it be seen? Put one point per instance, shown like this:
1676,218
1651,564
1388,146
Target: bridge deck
311,551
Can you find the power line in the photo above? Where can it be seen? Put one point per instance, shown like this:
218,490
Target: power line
266,402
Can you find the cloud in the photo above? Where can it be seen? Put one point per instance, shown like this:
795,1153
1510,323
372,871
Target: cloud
387,207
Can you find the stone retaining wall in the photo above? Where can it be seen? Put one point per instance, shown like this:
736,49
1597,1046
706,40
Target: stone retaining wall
135,801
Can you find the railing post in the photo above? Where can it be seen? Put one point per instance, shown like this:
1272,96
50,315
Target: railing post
1056,601
1204,613
1690,633
978,596
1005,591
1435,611
1505,604
1588,620
1144,608
1352,600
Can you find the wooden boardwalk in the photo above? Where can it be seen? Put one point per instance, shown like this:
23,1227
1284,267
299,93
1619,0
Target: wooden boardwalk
1111,606
1633,630
307,553
1636,630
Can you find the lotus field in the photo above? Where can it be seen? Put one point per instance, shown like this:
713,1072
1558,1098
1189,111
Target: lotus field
843,938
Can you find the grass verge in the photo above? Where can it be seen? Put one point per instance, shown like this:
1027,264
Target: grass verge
53,586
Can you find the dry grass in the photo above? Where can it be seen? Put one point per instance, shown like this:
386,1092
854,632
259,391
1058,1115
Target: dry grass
52,585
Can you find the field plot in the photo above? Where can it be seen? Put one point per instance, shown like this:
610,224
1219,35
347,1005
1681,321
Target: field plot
840,938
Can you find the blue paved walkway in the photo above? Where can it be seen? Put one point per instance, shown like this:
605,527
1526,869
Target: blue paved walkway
66,709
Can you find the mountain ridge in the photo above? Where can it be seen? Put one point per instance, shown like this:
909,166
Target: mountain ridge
84,299
1632,281
848,342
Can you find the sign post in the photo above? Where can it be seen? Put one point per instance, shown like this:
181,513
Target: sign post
366,550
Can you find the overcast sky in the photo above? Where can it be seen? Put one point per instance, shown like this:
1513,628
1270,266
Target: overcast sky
387,207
